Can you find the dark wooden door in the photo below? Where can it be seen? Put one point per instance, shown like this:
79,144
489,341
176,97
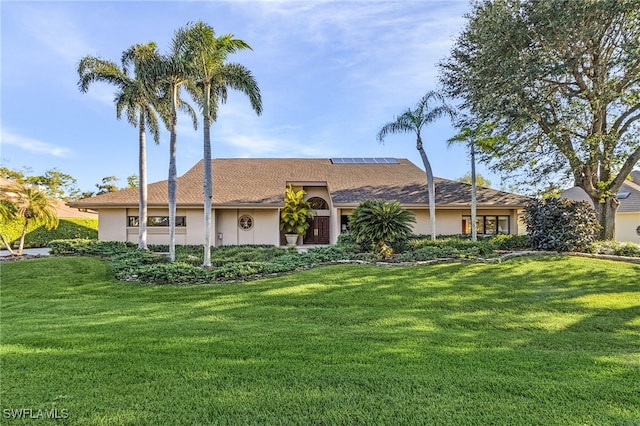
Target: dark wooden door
318,233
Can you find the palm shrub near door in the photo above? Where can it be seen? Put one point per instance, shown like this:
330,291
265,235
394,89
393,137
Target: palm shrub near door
380,224
561,224
296,214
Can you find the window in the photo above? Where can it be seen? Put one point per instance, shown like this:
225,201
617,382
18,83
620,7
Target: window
344,223
487,225
318,203
245,222
133,221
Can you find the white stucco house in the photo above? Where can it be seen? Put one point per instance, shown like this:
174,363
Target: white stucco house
249,193
628,215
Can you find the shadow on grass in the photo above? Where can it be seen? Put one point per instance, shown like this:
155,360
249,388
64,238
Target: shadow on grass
537,341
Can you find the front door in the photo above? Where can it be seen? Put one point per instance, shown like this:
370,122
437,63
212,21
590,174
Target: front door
318,233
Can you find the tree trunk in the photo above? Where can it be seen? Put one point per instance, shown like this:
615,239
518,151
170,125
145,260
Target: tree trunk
22,236
142,186
606,214
431,187
207,190
6,244
474,227
173,176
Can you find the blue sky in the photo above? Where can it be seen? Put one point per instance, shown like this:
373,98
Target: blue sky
331,74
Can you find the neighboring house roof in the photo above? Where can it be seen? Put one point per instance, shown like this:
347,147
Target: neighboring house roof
62,209
66,212
261,182
629,204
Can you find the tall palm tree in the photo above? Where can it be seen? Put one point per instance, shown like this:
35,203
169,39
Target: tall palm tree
171,73
140,103
475,137
211,75
412,121
33,205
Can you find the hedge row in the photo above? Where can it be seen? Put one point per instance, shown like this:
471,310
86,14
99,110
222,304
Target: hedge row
128,263
234,263
38,236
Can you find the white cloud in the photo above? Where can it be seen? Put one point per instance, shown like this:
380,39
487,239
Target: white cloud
33,145
56,30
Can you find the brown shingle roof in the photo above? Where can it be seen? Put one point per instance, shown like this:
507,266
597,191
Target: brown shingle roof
247,181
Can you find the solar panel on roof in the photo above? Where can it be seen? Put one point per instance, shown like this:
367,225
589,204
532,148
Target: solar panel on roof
622,195
364,160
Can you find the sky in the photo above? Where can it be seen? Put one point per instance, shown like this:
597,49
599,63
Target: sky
331,74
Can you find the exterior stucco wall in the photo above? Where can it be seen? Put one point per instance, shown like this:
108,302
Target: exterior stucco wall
265,227
195,227
626,225
112,224
225,229
449,222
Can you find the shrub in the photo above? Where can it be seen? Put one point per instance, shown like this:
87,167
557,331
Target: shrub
616,248
125,266
296,213
348,242
67,229
170,273
379,223
510,242
39,236
90,247
561,224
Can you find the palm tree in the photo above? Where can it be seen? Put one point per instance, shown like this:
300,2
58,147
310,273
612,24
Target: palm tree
412,121
8,213
381,222
33,205
210,78
140,102
479,136
171,72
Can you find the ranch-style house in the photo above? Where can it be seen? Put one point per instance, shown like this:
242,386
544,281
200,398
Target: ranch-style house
248,195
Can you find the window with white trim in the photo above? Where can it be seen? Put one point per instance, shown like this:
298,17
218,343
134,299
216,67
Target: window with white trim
134,221
487,225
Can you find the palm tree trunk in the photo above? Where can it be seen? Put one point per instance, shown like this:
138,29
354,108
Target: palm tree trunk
431,187
142,186
22,236
173,175
208,185
6,244
474,227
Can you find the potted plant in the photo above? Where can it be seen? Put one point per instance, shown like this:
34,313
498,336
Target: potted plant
295,215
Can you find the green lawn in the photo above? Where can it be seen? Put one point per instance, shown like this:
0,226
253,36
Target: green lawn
536,341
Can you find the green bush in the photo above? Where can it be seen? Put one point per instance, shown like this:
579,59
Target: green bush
90,247
616,248
510,242
561,225
39,236
170,273
483,247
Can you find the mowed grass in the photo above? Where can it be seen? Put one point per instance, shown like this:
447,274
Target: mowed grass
535,341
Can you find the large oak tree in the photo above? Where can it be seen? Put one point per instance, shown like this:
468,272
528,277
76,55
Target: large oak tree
561,79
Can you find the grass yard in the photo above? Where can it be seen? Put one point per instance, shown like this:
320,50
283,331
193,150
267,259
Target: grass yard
535,341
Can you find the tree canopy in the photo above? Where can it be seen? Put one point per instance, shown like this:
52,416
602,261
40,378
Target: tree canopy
53,182
560,79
